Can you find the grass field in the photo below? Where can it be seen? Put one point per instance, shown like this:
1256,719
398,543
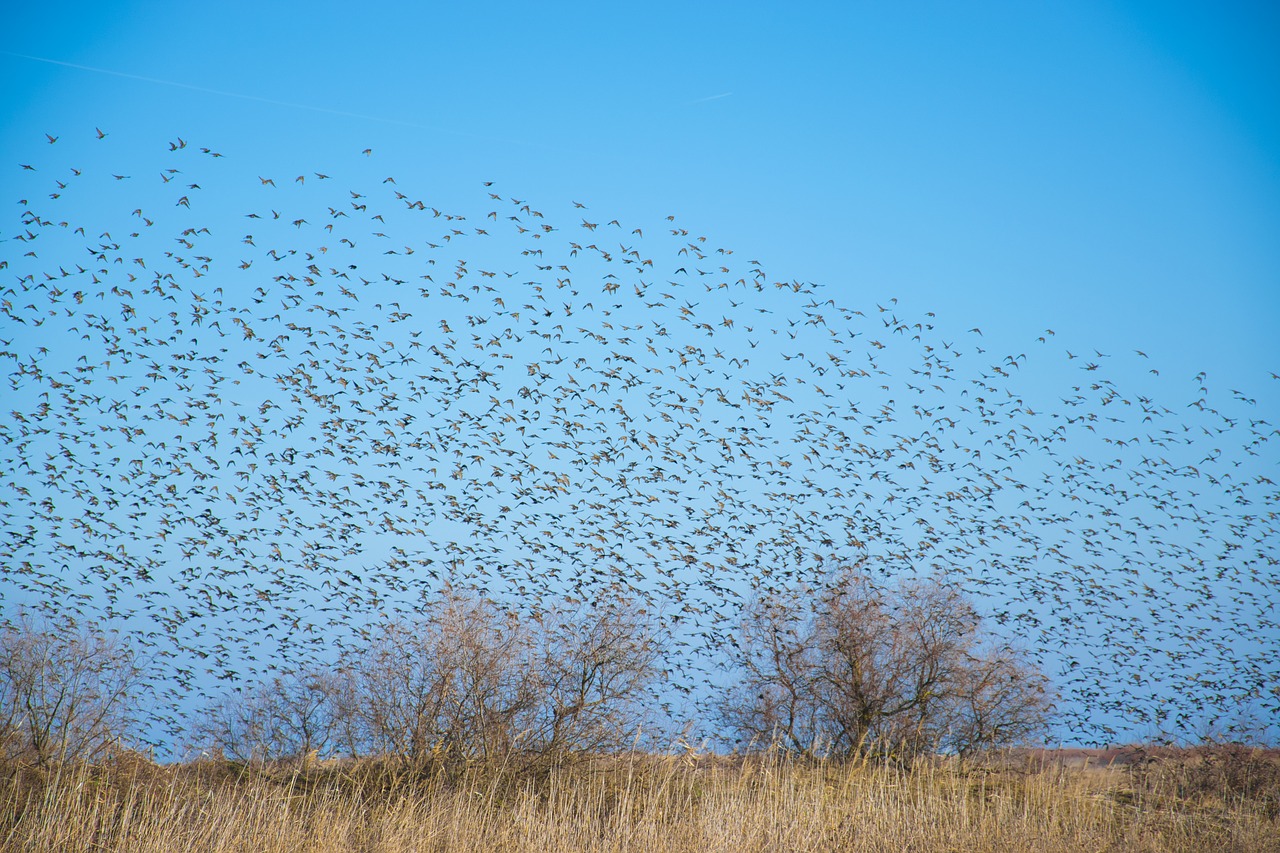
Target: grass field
1218,800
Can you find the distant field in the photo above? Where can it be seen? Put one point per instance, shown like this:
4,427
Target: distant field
1221,799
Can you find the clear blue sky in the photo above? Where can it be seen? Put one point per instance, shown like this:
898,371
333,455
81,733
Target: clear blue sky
1107,170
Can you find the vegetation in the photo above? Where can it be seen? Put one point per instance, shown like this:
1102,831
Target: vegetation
672,802
463,684
865,669
481,732
862,670
67,693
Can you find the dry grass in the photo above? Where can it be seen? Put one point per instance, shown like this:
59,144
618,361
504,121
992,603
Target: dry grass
654,804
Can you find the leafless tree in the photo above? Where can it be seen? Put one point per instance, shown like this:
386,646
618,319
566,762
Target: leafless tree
290,716
451,683
67,693
865,668
593,670
464,682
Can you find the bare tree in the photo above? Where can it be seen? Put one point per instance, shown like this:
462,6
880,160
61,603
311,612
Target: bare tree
290,716
465,682
594,667
450,683
1002,701
67,693
776,700
865,668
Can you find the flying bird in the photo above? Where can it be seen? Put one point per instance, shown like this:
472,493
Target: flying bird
224,437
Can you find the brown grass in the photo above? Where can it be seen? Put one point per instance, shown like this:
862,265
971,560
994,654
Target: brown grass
649,803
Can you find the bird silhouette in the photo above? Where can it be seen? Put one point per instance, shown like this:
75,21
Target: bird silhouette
218,438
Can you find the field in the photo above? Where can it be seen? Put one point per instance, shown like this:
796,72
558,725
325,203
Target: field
1222,799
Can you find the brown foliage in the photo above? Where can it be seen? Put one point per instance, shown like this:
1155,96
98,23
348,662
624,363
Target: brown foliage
67,693
1226,773
630,802
865,669
464,684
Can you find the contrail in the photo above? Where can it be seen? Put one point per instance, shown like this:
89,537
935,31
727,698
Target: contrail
215,91
709,98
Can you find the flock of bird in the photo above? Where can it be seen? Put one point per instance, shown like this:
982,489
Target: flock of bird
247,416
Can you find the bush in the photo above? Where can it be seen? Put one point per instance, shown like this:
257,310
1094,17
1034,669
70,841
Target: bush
67,693
463,683
452,682
594,665
865,669
290,716
1228,773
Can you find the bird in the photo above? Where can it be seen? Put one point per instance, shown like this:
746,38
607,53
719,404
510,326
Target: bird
326,421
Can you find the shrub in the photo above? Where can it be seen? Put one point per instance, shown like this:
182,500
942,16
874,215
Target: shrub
865,669
67,693
463,683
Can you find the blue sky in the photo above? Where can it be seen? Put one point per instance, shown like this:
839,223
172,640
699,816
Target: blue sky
1108,171
1110,166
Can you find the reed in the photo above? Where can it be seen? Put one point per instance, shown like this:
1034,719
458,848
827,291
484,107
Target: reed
652,803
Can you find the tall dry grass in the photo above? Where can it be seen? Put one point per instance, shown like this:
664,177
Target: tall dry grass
645,803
